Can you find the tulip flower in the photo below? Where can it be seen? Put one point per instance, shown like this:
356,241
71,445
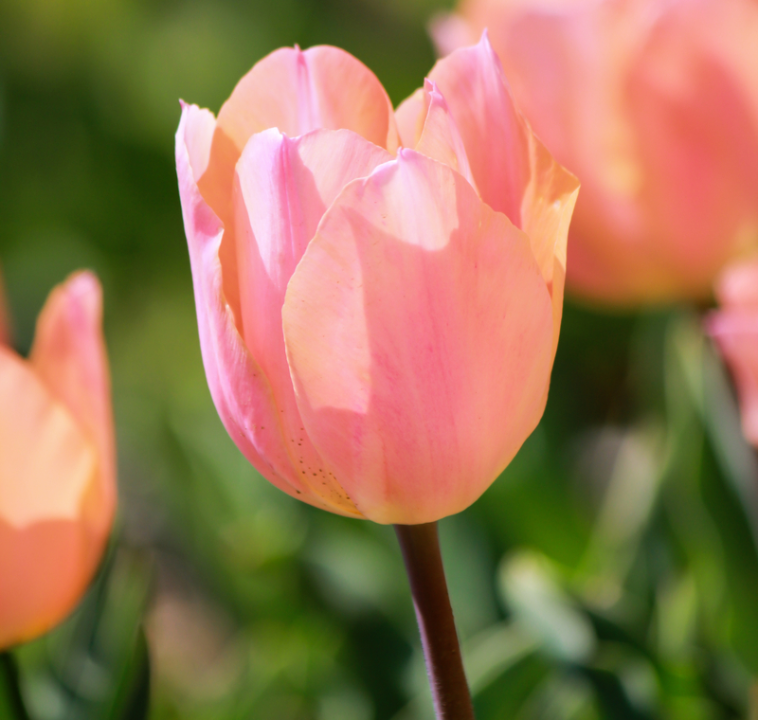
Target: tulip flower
654,106
378,295
57,463
734,328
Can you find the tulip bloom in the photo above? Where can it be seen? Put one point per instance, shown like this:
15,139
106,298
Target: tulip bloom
654,106
734,328
378,295
57,463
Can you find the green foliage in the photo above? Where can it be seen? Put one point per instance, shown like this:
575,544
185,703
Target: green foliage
610,573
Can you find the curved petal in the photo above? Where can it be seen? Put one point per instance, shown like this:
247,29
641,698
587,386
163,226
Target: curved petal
440,139
296,92
419,333
239,388
410,116
514,172
47,469
282,190
69,356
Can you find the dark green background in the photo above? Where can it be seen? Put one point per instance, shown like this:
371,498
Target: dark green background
611,572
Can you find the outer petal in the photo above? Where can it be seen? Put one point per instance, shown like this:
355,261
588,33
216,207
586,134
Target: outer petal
513,171
419,335
69,356
282,190
239,388
48,467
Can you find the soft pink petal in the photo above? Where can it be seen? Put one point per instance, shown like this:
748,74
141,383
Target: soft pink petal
736,334
48,466
296,92
440,139
410,116
69,356
282,190
738,286
239,388
419,335
513,171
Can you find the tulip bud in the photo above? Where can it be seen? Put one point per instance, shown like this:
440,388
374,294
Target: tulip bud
57,463
378,325
654,106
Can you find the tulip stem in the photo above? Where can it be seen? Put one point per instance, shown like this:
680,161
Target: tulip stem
9,670
444,665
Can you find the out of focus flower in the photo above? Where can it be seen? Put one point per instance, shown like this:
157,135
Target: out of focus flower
653,104
57,463
378,325
735,329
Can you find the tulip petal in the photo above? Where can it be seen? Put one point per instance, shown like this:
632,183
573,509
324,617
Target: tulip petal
442,324
69,356
296,92
737,287
282,190
513,171
410,116
239,388
440,139
47,469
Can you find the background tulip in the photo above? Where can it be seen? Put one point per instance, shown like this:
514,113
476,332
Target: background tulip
378,325
654,106
57,463
735,329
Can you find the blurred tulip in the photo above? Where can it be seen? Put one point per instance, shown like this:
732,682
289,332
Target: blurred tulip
57,463
735,330
653,104
377,324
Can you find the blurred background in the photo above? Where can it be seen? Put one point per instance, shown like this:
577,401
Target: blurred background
611,572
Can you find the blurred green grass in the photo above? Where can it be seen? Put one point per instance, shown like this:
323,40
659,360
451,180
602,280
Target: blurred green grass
610,573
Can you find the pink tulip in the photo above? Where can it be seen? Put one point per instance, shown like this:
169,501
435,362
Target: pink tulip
653,104
735,330
377,324
57,463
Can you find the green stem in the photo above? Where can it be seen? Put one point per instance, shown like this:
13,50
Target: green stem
9,670
444,665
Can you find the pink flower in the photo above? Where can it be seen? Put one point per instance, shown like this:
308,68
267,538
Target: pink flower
653,104
377,324
57,463
734,328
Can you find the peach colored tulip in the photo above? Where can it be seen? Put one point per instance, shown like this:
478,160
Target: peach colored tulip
653,104
377,324
57,464
735,330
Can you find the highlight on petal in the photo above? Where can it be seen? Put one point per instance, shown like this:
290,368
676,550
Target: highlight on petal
69,356
47,469
442,324
239,387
